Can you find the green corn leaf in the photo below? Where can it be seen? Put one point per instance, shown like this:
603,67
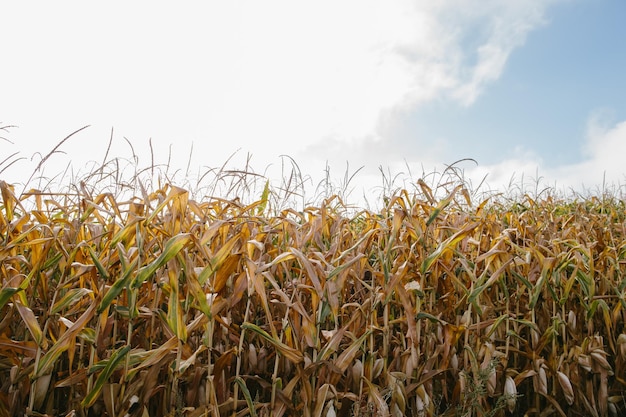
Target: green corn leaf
172,247
442,204
104,376
70,298
117,287
101,269
246,395
6,294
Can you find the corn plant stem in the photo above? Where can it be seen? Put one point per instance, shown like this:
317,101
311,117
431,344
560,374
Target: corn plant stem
318,323
418,308
370,340
507,330
209,366
81,352
275,374
274,379
44,331
155,306
477,339
537,397
466,336
516,328
362,376
129,333
385,336
554,347
92,354
175,372
238,365
563,327
31,400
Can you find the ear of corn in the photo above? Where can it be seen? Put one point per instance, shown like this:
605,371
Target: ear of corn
215,307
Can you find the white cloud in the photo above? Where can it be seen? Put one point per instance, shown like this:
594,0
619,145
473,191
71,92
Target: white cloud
603,165
273,77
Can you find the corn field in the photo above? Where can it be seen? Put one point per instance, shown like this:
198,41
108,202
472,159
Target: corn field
431,306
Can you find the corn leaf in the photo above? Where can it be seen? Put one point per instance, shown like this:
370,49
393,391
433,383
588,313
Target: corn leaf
62,344
290,353
172,247
104,376
32,324
246,395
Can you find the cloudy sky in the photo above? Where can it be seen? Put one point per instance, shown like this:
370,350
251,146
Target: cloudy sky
526,88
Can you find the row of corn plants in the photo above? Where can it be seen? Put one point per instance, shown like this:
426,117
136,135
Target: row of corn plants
162,305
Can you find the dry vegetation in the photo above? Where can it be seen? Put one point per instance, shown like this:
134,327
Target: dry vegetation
431,306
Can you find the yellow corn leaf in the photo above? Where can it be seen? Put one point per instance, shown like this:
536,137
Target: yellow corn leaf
290,353
62,344
447,245
216,262
26,348
70,298
124,235
426,190
347,356
175,319
8,199
324,393
224,271
308,266
174,193
381,405
182,367
345,266
146,359
442,204
331,346
199,295
264,198
354,247
32,324
283,257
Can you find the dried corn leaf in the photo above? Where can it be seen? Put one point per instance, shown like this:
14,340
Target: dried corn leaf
62,344
290,353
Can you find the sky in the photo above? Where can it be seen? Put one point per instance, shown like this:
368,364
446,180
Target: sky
521,92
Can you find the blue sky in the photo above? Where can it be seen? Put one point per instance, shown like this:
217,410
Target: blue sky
570,69
523,87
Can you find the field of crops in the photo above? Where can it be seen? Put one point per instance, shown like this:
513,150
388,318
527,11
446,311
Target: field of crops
167,305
